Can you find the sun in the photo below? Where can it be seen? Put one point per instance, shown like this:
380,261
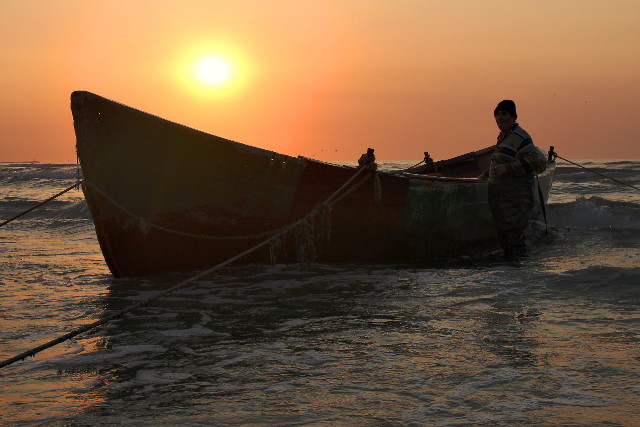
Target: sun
213,71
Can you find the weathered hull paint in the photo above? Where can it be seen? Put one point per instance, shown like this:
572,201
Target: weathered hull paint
141,170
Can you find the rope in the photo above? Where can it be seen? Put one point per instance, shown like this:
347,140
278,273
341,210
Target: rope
542,206
146,225
417,164
597,173
320,208
346,193
77,183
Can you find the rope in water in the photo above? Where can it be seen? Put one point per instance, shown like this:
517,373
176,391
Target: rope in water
55,196
417,164
332,200
596,172
144,224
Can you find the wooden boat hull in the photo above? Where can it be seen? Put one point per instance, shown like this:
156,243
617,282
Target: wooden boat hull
166,197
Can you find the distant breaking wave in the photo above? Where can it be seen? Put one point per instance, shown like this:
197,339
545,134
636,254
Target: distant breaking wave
594,212
57,209
17,172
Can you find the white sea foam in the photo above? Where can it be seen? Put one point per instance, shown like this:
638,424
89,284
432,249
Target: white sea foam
594,212
98,357
38,171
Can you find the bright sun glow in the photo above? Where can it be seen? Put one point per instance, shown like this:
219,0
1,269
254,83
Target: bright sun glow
213,71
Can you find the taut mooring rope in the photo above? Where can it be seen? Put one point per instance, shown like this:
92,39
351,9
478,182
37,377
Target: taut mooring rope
148,224
42,203
255,236
332,200
597,173
121,313
417,164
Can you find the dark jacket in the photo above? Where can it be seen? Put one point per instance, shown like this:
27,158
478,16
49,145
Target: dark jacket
516,150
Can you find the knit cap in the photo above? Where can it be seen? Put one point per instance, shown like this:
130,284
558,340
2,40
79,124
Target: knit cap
506,105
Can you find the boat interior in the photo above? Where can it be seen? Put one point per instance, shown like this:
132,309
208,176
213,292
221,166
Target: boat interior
468,165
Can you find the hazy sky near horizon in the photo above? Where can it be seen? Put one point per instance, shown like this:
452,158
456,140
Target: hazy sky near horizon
327,79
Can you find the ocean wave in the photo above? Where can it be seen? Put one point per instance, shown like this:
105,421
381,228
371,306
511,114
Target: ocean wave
594,212
600,279
55,209
16,172
594,164
629,176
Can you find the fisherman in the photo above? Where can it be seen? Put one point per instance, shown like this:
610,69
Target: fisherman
513,165
368,158
429,162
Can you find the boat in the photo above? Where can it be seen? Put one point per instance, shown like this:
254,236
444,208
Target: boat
167,197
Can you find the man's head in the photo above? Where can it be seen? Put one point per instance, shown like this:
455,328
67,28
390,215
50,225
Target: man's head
505,114
507,105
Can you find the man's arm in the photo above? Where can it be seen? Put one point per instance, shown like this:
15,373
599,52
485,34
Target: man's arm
529,160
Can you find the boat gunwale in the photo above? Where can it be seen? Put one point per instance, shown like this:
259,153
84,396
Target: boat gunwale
471,180
84,94
438,178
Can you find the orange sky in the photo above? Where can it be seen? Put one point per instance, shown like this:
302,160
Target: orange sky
328,79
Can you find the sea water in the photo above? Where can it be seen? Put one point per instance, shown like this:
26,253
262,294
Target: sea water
550,340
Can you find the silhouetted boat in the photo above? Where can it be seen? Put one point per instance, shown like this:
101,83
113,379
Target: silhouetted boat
167,197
